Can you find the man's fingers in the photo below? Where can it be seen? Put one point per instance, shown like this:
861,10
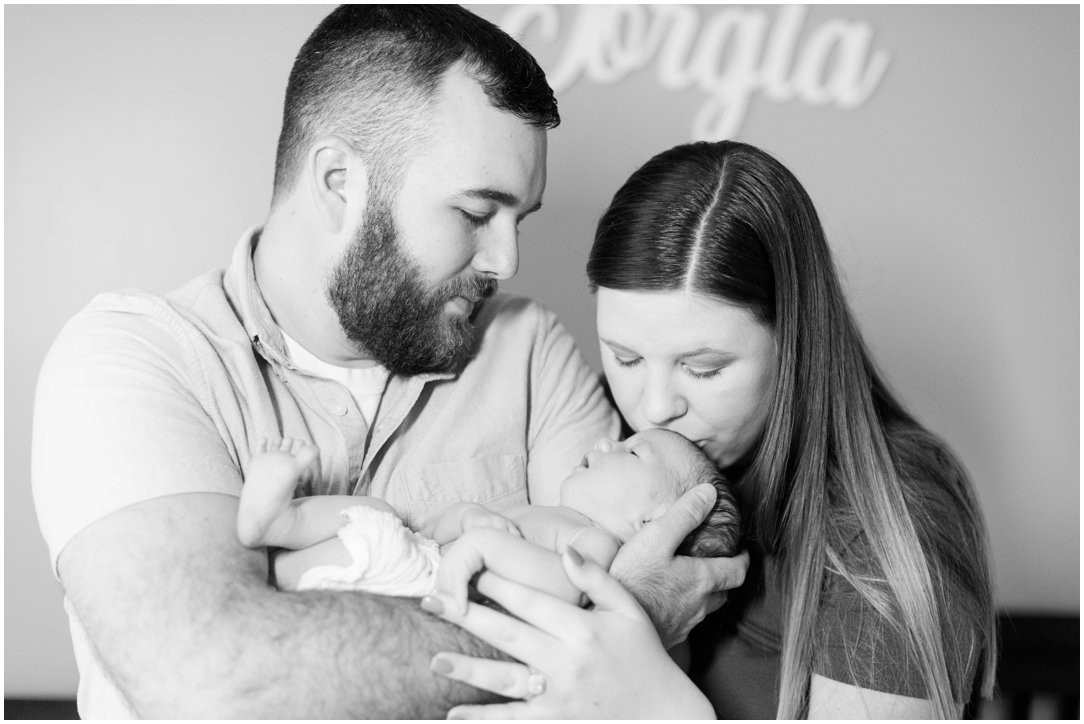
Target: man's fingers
689,511
605,591
715,602
726,573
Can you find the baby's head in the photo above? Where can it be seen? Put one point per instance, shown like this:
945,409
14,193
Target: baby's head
623,485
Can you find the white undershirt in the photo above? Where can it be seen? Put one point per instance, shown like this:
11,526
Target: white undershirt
366,384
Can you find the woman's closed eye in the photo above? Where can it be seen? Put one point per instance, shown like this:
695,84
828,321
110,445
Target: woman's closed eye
702,373
627,361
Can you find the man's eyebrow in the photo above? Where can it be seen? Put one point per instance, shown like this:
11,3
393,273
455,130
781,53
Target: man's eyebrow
501,197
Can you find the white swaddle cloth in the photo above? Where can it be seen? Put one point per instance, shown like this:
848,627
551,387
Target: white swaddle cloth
389,558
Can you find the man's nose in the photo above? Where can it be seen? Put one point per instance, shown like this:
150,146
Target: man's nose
498,252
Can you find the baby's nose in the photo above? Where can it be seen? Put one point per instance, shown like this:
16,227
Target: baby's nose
605,445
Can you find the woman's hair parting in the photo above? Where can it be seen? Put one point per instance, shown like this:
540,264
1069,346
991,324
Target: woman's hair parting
839,455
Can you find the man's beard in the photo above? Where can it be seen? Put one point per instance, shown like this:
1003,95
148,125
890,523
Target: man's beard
384,307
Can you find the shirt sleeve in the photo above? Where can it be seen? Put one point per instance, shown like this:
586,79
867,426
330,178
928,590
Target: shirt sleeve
857,645
118,419
568,410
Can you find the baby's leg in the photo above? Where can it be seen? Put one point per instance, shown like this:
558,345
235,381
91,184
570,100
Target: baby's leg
265,513
269,515
509,556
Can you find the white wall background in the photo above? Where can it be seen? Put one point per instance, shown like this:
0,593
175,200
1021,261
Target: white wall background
139,144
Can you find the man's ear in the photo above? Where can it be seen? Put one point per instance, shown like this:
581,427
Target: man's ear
339,183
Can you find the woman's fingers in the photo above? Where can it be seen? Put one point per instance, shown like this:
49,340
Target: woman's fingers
537,608
605,591
511,710
501,677
516,638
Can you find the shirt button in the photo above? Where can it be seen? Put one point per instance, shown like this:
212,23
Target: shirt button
339,410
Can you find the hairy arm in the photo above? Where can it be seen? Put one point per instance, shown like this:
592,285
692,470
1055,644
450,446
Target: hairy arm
193,630
136,481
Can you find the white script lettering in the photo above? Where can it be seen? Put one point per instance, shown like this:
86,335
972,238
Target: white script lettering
731,56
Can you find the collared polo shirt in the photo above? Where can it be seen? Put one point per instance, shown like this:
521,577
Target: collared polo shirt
143,396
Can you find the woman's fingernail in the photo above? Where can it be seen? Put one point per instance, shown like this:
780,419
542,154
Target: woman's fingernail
574,556
440,665
432,604
454,714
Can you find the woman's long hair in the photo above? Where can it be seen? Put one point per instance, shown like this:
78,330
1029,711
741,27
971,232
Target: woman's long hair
839,455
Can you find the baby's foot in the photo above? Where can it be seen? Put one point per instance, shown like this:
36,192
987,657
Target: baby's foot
275,471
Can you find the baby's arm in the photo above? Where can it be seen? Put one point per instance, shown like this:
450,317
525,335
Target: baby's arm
509,556
269,515
594,544
461,517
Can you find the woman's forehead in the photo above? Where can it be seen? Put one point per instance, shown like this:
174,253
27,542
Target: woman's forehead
676,321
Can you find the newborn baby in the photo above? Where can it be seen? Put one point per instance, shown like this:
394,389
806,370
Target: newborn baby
617,488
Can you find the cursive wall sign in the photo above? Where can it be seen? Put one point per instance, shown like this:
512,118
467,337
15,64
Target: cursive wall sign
731,55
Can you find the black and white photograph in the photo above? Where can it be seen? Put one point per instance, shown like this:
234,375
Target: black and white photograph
571,361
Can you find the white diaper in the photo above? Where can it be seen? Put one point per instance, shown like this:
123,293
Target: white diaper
389,558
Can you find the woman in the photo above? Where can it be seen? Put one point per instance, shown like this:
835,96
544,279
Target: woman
721,317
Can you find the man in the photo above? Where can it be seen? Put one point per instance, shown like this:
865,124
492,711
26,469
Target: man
359,317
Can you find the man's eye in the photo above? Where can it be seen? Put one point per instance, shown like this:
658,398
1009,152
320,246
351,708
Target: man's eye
474,219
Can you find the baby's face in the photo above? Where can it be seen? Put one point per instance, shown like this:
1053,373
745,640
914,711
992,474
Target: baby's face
622,485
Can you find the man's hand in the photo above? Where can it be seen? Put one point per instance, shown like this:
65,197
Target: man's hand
677,591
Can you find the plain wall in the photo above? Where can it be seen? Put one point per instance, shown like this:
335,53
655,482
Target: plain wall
140,144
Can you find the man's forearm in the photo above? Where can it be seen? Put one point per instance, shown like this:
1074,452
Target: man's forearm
343,655
193,630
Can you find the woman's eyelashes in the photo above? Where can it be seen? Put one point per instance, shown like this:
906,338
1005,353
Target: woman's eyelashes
702,374
694,372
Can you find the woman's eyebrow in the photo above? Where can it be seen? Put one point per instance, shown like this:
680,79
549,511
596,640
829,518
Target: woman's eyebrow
617,346
698,352
707,352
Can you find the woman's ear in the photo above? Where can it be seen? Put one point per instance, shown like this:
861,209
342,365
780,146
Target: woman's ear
339,182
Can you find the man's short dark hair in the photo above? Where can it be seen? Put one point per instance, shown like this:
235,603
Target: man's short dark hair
368,74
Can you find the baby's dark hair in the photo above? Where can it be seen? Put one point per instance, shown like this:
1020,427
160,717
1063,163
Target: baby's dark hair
721,532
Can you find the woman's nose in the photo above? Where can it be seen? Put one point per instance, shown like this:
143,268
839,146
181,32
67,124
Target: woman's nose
662,404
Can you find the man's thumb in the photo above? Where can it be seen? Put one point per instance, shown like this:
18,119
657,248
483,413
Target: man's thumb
684,516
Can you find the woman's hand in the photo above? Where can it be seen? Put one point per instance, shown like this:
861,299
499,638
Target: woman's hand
605,663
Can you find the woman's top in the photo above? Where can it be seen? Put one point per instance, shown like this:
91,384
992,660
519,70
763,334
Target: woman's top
736,650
